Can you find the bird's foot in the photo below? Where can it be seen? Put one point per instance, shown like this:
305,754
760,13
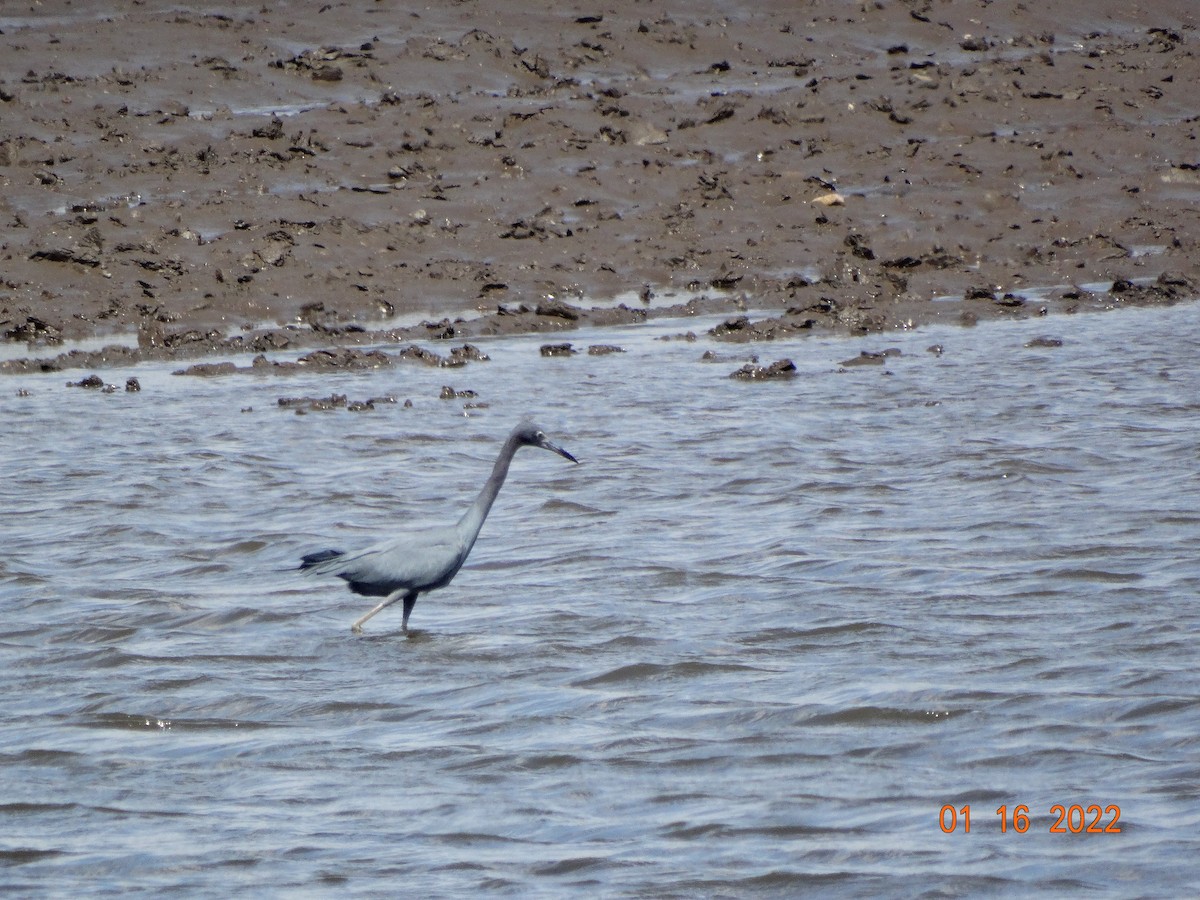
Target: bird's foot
356,628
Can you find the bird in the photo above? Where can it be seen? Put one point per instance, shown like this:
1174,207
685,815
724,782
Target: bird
427,559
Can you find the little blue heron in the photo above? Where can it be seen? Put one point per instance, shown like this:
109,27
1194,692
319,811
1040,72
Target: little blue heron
424,560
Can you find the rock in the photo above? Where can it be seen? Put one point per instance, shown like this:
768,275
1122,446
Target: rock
341,358
420,354
559,309
1169,287
92,382
207,370
740,329
739,323
35,329
726,281
782,368
467,352
63,254
858,246
644,134
833,198
870,358
303,404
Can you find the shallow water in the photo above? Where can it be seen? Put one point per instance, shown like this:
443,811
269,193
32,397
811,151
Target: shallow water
752,645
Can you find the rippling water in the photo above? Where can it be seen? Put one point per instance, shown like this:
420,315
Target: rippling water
754,644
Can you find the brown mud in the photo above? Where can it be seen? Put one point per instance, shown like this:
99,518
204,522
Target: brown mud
231,179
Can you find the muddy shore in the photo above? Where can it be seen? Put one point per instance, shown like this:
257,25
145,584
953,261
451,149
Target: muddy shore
225,179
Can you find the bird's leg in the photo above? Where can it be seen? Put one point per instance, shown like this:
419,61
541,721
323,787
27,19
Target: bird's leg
392,598
410,600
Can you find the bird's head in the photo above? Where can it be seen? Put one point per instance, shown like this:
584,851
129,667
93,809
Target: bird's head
530,435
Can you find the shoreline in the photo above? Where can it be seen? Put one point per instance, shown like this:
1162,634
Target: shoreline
556,318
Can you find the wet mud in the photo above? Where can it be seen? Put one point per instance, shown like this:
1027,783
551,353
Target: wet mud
225,180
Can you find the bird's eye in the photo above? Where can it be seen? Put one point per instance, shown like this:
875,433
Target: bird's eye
540,436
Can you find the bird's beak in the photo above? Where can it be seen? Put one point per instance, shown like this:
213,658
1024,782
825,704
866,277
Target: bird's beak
554,448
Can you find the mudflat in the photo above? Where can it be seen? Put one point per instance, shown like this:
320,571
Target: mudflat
224,178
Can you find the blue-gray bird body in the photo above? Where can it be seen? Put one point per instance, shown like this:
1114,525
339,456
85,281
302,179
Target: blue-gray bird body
425,560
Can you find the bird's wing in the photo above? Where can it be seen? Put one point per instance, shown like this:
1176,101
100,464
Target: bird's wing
415,561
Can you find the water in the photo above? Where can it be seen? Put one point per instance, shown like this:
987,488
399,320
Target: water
752,646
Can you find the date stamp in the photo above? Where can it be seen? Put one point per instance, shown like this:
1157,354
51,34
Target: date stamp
1094,818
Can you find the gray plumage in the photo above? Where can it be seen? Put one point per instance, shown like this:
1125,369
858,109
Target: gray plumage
428,559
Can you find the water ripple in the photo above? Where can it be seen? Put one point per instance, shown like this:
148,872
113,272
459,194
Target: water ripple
752,645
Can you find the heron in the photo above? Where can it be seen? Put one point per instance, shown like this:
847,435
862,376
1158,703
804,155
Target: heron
424,560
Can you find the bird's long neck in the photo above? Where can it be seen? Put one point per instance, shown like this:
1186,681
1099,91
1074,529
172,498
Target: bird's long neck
475,515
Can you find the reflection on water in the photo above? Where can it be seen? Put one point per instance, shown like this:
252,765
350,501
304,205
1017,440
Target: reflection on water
753,644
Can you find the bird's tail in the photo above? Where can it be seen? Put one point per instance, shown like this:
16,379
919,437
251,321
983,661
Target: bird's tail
321,556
